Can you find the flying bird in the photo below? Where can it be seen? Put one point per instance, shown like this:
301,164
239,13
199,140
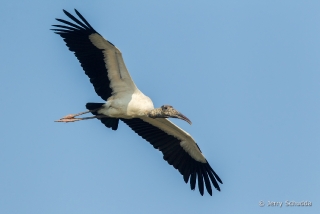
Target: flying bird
104,65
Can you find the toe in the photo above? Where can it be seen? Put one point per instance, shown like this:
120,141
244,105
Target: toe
69,116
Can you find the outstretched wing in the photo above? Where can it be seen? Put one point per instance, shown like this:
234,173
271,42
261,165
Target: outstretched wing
179,149
99,58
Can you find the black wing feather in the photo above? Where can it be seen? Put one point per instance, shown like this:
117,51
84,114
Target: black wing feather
90,57
200,179
206,180
83,19
76,20
174,154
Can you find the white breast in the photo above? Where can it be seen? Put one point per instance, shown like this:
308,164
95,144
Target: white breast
125,105
139,104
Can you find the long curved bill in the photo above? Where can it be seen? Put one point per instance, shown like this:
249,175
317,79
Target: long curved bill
182,117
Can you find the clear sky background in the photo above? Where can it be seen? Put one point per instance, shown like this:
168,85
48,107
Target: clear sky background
245,72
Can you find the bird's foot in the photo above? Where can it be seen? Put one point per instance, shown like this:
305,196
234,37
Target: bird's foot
69,118
72,117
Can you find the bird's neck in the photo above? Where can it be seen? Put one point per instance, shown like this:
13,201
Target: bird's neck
155,113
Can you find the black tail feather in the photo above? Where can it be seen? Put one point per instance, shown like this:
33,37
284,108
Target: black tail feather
108,122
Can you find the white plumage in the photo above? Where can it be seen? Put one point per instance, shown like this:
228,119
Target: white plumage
104,65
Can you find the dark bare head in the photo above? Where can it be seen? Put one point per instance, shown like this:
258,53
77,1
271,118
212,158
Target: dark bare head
167,111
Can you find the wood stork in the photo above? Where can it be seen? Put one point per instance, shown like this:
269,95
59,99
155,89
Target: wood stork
104,65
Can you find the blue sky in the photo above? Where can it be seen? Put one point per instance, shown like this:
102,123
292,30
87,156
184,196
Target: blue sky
245,72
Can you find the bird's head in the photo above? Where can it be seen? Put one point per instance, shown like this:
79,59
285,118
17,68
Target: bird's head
167,111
